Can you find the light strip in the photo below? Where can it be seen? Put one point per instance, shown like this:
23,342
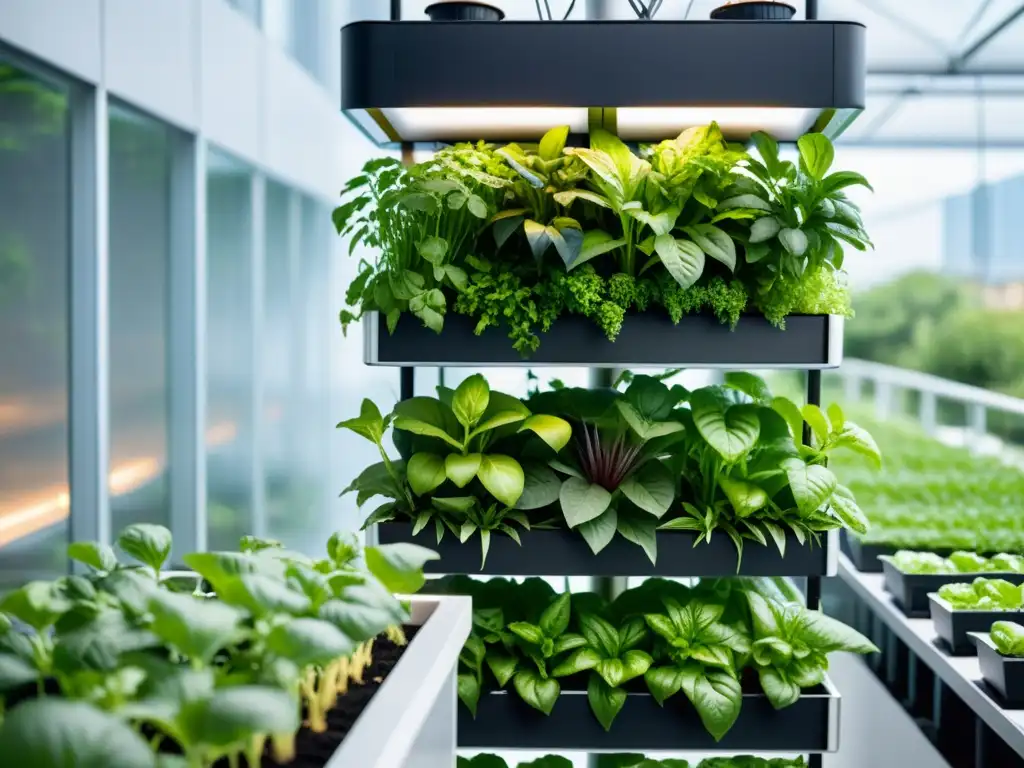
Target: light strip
473,123
737,123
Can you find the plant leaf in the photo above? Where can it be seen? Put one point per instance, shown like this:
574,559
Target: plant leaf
462,469
683,259
731,430
582,501
812,484
149,544
399,567
425,472
605,701
555,432
599,532
539,693
715,243
56,733
651,487
469,403
816,154
503,477
641,530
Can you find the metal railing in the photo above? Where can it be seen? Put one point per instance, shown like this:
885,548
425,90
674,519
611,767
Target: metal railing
889,383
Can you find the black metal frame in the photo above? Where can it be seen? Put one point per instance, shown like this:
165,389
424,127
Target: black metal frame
821,718
480,64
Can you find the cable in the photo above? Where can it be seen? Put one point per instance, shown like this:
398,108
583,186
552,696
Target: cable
547,5
568,13
655,6
540,13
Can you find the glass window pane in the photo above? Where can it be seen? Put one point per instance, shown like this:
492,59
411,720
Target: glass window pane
286,518
34,251
139,263
249,8
229,353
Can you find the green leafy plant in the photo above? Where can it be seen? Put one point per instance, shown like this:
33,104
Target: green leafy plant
643,463
984,595
215,673
698,641
1008,637
448,444
688,225
911,562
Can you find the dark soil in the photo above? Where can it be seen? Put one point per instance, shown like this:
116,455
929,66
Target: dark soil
313,750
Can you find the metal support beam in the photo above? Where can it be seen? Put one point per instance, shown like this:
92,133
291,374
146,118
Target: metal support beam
257,416
187,353
89,371
958,64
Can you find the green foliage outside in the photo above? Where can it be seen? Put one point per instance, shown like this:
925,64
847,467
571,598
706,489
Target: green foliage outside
937,324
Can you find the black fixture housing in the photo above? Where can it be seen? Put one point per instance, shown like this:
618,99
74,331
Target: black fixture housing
423,81
464,11
754,10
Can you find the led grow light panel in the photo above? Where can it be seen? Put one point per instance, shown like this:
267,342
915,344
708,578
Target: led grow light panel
438,82
737,123
472,123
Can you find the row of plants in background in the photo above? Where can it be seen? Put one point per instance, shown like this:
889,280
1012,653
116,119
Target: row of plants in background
705,643
520,235
635,761
128,666
632,462
959,562
984,595
931,496
1008,637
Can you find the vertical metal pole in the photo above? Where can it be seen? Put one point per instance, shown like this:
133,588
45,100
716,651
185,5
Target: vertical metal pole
813,582
407,387
187,355
258,206
89,369
811,10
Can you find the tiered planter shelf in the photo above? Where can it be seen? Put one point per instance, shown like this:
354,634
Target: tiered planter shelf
394,74
810,725
565,553
646,340
911,590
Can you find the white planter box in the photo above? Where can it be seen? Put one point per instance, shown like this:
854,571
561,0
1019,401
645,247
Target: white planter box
410,722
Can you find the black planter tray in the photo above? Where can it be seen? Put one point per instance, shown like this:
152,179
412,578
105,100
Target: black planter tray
865,556
504,721
565,553
910,590
646,340
1005,674
953,626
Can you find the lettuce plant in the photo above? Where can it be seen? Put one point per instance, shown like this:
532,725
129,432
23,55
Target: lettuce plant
1008,637
959,562
984,595
211,673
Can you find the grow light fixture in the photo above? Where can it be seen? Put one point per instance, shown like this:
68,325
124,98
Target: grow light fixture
449,81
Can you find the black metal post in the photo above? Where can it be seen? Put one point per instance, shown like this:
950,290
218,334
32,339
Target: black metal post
813,398
811,10
408,383
396,10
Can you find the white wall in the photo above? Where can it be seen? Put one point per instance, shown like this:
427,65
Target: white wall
203,67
